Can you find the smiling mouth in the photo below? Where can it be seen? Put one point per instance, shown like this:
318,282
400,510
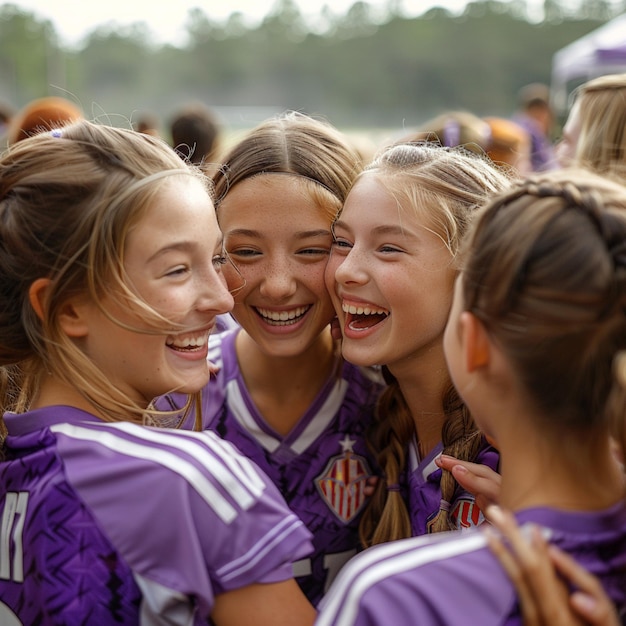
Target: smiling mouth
363,317
188,343
282,318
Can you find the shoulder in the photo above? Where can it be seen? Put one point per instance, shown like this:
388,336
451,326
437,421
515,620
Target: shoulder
411,581
193,490
203,462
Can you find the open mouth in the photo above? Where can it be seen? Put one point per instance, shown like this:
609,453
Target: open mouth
188,343
363,317
282,318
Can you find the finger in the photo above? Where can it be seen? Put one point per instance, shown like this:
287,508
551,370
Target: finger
482,483
590,601
478,469
596,612
536,578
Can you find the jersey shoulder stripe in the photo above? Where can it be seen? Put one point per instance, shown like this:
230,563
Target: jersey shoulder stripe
275,537
378,563
170,456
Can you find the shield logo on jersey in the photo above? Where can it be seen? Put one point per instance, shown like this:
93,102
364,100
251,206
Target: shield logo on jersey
342,483
466,514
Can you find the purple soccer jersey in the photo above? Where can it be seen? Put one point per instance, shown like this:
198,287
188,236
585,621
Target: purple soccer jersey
453,578
124,524
320,467
423,491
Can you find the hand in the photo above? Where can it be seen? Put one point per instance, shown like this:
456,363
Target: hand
533,566
479,480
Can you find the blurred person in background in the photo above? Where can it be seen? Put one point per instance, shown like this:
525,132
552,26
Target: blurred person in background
594,135
42,114
535,114
196,132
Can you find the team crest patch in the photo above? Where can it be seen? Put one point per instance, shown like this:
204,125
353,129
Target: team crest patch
342,483
466,514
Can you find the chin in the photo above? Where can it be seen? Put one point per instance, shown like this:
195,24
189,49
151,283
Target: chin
362,358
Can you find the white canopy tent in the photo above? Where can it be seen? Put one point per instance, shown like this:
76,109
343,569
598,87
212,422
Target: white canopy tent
602,51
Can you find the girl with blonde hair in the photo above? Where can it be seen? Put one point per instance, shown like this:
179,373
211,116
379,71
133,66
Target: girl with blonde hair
537,318
111,280
391,274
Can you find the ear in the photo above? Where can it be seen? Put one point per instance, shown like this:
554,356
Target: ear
72,318
37,296
475,342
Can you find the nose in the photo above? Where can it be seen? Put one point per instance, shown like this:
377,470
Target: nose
213,294
351,268
278,282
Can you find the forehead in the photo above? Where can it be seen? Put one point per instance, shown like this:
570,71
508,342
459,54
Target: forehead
180,206
276,202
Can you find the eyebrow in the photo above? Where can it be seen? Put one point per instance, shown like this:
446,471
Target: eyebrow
383,229
305,234
180,246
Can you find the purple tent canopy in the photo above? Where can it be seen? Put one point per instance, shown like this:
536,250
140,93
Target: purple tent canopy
608,55
602,51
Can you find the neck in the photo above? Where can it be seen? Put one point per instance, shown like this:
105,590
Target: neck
53,391
562,471
312,367
423,382
284,388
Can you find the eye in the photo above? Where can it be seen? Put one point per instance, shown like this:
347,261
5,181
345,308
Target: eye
219,260
314,251
177,271
341,244
389,249
244,253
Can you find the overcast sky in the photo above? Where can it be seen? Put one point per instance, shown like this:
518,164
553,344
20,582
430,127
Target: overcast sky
166,18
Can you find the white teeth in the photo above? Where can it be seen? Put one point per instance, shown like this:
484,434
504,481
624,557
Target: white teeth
188,342
283,316
362,310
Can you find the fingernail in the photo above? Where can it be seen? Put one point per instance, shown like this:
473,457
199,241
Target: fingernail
586,602
494,513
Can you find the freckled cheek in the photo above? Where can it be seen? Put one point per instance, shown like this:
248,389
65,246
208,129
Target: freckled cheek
329,274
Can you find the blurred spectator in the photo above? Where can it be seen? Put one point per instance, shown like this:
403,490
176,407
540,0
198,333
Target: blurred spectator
536,116
455,128
509,144
594,134
40,115
147,123
196,133
7,112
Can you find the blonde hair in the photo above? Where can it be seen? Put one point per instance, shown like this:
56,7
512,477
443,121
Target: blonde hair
67,201
444,187
601,144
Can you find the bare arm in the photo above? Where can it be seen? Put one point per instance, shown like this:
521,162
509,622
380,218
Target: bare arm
275,604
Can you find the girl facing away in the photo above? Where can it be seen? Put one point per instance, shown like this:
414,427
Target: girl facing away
111,279
283,394
391,275
538,315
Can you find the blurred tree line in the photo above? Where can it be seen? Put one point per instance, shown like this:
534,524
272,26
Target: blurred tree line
360,69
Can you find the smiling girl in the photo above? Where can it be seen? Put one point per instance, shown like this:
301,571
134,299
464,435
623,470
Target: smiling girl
391,274
111,279
283,394
538,316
